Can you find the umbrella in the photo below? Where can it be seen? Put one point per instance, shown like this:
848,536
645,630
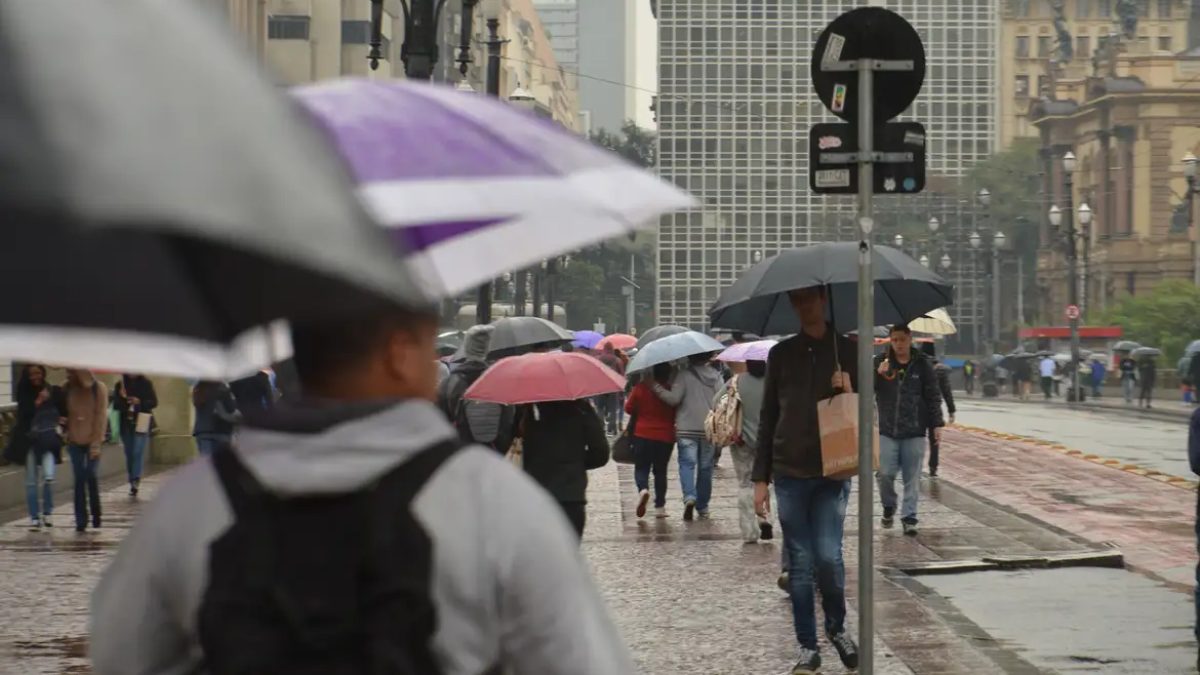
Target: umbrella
546,376
747,351
1008,361
1193,347
167,228
935,322
657,333
1145,353
475,186
587,339
523,333
673,348
758,301
1125,346
618,341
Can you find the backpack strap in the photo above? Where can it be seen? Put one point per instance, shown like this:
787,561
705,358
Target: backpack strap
241,487
406,480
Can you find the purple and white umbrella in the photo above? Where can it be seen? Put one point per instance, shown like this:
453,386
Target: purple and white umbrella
471,187
747,351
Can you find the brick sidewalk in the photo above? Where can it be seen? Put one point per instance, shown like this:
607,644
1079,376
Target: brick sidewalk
1151,521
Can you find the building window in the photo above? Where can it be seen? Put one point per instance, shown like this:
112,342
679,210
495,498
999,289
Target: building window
1164,43
359,33
1164,8
1023,85
1144,8
1083,46
1022,46
1043,84
1083,9
1045,48
1020,7
1105,7
288,27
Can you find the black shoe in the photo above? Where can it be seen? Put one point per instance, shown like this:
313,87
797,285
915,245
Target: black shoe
783,583
766,531
80,528
846,649
96,524
689,509
910,528
889,514
809,662
933,473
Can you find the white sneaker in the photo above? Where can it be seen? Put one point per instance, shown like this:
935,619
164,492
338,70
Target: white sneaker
660,512
35,524
46,522
643,500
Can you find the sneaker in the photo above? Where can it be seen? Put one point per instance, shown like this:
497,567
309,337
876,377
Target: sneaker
643,500
910,529
766,531
846,649
689,507
46,522
96,524
35,524
705,514
809,662
660,512
783,583
933,473
80,529
889,513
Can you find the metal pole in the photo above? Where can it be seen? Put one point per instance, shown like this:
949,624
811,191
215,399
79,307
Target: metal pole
551,274
1191,191
866,379
630,307
483,302
995,292
537,291
1072,288
1020,290
977,297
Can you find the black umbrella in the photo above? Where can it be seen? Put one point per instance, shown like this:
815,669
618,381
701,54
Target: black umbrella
518,334
658,333
758,301
1010,360
162,210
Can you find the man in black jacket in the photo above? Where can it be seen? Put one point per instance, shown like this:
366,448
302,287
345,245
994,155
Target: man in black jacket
942,371
905,386
801,371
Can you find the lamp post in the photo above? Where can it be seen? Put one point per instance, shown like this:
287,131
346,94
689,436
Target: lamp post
945,261
984,197
1189,172
998,240
924,261
898,240
1057,217
419,52
977,300
1085,239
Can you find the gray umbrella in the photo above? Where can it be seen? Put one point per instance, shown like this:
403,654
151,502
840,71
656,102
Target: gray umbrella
517,334
758,300
1145,352
164,200
673,348
1126,346
658,333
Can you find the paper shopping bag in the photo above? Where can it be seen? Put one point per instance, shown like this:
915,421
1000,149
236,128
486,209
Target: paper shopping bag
143,423
837,419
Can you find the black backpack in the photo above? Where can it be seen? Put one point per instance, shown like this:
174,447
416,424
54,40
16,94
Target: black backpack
330,584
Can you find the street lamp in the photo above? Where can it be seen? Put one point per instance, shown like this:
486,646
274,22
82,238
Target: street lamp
998,241
924,261
463,85
933,224
522,98
898,240
1189,173
1055,216
1068,167
756,256
985,196
945,261
975,240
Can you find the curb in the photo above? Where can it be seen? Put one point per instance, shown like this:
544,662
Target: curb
1134,469
1160,414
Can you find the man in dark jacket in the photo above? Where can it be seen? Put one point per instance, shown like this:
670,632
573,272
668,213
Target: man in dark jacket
905,387
942,371
489,424
812,509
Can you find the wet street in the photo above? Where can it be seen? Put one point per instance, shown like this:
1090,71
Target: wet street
1152,443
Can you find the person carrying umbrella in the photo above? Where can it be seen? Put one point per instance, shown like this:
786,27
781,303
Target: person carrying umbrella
1147,376
652,431
905,388
1047,368
1129,376
943,381
691,394
482,422
610,404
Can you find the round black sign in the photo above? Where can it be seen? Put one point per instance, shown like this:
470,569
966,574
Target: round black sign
868,33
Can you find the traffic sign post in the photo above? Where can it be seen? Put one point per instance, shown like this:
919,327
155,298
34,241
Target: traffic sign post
867,67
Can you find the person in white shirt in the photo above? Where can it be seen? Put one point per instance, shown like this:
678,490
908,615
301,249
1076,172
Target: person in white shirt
1047,368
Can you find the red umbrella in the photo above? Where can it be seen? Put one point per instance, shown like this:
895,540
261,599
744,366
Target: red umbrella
618,341
546,376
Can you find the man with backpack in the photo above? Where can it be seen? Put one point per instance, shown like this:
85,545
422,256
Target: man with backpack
352,532
489,424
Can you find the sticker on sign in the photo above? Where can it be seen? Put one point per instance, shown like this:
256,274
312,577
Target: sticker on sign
839,98
832,178
1072,312
833,49
829,142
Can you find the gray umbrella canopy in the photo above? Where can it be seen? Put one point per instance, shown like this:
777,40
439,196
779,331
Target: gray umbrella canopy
673,348
1126,346
758,301
1145,352
157,186
658,333
516,334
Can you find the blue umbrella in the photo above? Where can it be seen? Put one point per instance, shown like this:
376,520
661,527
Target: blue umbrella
673,348
587,339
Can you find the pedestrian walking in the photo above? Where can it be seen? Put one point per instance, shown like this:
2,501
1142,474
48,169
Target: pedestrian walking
905,386
561,442
691,394
254,393
216,414
1098,373
1047,367
1023,378
135,400
1194,373
652,432
87,416
969,377
610,404
942,371
1128,369
35,441
364,474
801,371
482,422
1147,377
749,387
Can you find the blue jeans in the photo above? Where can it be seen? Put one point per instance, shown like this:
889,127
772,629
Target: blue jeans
696,459
87,486
1127,388
647,455
135,453
812,513
39,462
208,443
903,456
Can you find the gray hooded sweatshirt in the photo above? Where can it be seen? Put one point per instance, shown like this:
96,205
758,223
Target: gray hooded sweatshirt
509,583
691,395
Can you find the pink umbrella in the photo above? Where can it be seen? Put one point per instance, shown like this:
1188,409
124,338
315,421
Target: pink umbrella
618,341
545,376
747,351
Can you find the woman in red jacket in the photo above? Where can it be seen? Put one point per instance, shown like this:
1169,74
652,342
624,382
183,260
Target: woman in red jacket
652,429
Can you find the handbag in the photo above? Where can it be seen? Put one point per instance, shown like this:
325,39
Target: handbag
515,454
622,449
